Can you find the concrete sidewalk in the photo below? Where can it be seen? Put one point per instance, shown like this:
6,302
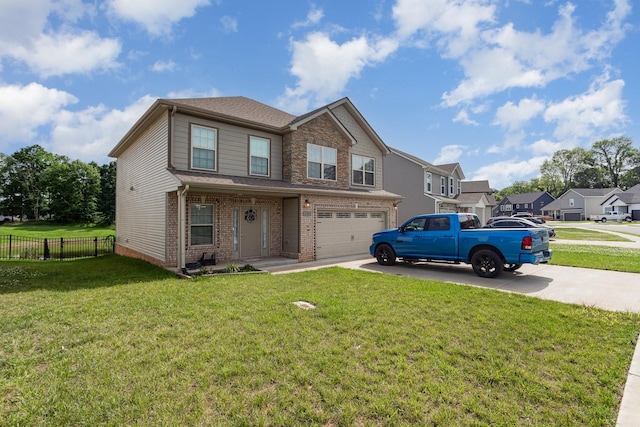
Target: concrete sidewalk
603,289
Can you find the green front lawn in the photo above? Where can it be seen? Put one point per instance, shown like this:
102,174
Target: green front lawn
569,233
45,229
115,341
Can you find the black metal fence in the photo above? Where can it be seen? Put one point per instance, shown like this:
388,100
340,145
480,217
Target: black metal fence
20,247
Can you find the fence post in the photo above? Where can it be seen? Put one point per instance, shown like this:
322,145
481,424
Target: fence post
62,248
10,241
95,247
47,254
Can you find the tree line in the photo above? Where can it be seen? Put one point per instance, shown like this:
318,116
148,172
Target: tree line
36,184
609,163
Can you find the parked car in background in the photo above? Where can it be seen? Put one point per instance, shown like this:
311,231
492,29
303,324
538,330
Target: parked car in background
4,219
611,216
530,217
515,222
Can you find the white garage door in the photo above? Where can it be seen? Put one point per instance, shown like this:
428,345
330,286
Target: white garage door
341,233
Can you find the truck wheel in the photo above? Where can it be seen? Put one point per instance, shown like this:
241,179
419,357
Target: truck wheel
385,255
628,219
511,267
603,220
486,263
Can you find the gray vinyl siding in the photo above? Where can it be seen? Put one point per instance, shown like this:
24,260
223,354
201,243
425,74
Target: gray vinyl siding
407,179
233,147
364,145
141,194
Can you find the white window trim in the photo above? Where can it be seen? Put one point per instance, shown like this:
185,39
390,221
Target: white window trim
428,182
443,185
451,189
365,159
215,147
322,163
212,225
268,141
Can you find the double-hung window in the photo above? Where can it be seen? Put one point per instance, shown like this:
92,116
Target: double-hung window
443,185
201,225
427,182
451,190
321,162
363,170
259,149
204,146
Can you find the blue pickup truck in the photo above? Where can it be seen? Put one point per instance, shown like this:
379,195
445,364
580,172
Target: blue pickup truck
459,237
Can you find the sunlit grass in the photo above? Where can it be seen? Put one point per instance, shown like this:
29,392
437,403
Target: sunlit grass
587,234
115,341
598,257
44,229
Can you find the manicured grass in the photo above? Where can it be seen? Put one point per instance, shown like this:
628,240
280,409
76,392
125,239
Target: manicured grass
587,234
599,257
114,341
48,230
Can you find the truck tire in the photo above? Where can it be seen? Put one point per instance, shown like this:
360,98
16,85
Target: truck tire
603,220
511,267
385,255
486,263
628,219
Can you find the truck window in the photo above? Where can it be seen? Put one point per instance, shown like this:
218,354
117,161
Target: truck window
414,225
469,221
439,224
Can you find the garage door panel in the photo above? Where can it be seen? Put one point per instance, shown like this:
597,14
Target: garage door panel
341,233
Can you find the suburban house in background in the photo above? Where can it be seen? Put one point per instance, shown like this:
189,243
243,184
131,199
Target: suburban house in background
426,188
625,202
244,180
476,197
533,203
578,204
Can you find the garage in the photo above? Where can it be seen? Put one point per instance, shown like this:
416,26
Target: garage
340,233
571,216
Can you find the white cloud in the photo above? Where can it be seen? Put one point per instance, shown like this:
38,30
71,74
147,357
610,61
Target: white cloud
323,67
229,24
463,117
162,66
449,154
90,134
314,16
64,53
504,58
27,36
544,147
24,109
503,174
513,117
157,17
582,116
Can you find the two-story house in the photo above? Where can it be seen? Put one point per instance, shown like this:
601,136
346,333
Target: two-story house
425,188
533,203
577,204
244,180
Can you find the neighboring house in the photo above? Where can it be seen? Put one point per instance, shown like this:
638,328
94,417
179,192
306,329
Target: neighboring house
625,202
476,197
244,180
578,204
425,188
532,203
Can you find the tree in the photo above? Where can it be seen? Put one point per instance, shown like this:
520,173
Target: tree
24,189
107,196
561,170
615,156
74,188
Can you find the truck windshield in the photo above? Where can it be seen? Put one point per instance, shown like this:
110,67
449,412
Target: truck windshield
469,221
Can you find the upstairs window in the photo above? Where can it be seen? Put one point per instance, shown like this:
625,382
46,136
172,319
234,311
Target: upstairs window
363,170
451,190
443,185
427,182
204,146
260,150
459,190
201,225
321,162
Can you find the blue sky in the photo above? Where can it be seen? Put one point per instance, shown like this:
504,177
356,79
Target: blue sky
497,86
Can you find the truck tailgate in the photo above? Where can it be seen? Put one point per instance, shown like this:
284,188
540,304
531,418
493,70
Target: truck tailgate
540,239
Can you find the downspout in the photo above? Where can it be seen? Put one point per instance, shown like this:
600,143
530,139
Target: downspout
182,225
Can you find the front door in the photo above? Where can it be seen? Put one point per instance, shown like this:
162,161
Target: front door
251,230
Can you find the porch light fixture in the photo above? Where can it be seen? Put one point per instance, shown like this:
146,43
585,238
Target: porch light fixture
306,203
